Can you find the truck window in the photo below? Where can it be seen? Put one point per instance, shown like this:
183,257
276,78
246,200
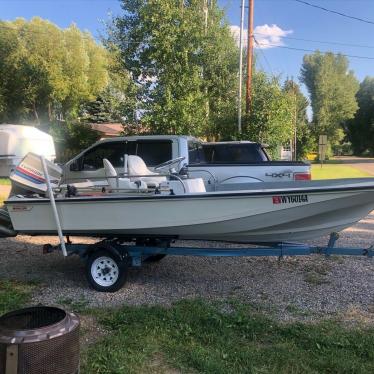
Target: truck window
93,158
153,152
247,153
195,153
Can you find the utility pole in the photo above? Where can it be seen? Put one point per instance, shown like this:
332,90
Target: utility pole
249,56
206,12
240,68
295,128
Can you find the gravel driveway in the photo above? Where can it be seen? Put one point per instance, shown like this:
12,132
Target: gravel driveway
303,288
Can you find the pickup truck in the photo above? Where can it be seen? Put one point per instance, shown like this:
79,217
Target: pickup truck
224,162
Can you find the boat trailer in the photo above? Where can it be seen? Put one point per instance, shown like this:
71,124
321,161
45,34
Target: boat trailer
107,261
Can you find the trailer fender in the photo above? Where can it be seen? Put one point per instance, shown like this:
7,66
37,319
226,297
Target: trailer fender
106,246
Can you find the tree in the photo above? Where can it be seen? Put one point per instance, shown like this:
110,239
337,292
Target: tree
271,117
332,89
304,140
72,137
183,57
361,128
46,71
11,77
117,102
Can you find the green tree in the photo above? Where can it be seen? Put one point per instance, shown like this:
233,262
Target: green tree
117,102
71,137
332,88
11,67
183,56
46,71
361,128
271,117
304,140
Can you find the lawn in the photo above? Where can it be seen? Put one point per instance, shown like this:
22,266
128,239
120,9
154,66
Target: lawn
196,336
200,337
336,171
13,295
5,182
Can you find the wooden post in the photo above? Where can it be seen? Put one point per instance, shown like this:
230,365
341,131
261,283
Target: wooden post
240,68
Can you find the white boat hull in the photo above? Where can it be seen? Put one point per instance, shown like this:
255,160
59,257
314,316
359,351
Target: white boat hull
251,216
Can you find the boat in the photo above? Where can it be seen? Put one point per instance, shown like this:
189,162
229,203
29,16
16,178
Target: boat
243,213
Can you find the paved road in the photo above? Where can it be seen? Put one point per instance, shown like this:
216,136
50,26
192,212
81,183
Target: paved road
362,163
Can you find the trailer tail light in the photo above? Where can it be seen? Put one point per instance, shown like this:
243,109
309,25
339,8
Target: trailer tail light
302,177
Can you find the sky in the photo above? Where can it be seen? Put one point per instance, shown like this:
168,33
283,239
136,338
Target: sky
275,22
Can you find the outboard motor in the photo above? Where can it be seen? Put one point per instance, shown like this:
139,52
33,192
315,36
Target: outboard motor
28,176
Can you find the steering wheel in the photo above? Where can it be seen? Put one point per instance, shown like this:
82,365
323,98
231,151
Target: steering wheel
173,161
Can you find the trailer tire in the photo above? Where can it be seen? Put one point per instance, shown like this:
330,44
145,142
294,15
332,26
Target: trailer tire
106,271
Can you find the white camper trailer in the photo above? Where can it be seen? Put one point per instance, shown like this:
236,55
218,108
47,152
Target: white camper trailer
17,140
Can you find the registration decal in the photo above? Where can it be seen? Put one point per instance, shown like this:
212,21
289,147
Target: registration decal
290,199
21,208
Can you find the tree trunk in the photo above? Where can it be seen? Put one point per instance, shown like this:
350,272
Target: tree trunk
36,113
49,112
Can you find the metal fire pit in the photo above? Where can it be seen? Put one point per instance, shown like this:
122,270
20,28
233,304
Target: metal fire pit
39,340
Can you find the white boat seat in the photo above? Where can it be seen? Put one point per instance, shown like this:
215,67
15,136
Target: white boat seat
121,183
190,185
137,167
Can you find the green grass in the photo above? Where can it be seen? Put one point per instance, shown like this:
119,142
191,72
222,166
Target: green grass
13,295
194,336
5,182
77,306
201,337
335,171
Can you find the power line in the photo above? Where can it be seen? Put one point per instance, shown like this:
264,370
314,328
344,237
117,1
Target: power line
313,50
263,55
26,31
334,12
320,41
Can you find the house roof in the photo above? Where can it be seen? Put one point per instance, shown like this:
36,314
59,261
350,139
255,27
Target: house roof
108,129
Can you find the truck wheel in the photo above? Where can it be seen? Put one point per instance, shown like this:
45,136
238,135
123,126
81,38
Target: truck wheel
105,271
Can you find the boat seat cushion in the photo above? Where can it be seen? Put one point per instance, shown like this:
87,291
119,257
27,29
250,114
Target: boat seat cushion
121,183
109,169
137,167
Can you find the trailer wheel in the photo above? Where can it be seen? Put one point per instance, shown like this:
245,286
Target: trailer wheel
105,271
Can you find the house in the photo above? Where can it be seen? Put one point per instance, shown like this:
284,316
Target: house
108,130
111,130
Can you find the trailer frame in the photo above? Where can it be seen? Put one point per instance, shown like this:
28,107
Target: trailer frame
122,254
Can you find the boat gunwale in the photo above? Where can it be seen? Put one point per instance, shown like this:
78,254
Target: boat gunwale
202,195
